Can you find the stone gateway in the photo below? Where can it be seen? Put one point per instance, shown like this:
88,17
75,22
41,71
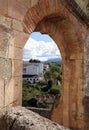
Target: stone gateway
67,23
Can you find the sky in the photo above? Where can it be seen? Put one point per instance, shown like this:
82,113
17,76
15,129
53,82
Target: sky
40,46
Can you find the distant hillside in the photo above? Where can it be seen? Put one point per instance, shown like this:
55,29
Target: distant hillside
54,60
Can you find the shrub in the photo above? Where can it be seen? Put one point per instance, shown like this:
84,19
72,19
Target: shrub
38,87
24,103
45,89
32,102
54,91
50,83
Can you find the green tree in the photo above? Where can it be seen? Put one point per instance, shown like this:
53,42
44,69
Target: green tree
50,83
56,71
55,75
47,76
59,78
34,61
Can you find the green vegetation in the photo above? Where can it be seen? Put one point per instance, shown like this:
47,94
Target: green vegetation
50,86
54,74
34,61
55,91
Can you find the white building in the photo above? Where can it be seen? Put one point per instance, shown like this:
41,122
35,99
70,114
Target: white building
31,79
32,72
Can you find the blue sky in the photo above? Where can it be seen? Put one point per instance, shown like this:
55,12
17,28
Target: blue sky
40,46
41,37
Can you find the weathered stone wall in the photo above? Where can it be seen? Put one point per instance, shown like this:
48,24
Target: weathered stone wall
20,18
22,119
86,80
6,41
12,38
16,9
66,31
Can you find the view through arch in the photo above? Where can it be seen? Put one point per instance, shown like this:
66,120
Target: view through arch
42,73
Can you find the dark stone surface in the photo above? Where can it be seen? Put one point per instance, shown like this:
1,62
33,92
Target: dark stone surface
41,111
86,112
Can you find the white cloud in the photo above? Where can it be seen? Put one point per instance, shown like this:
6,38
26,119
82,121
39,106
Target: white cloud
40,50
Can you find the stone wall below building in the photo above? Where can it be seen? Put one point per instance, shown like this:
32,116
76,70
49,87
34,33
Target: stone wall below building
41,111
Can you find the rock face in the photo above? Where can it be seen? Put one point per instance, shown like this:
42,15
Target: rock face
22,119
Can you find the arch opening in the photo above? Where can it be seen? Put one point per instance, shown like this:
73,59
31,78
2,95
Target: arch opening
42,74
64,29
56,19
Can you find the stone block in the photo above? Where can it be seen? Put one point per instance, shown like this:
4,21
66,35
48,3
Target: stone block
10,54
66,69
17,91
57,114
2,93
35,14
33,2
8,22
65,100
17,53
66,117
5,68
9,92
2,19
80,96
80,114
17,67
80,88
5,21
30,24
13,92
17,25
81,124
86,86
3,7
20,39
79,66
78,56
65,108
18,9
5,41
65,86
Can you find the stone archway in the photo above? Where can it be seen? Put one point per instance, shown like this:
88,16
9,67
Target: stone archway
54,19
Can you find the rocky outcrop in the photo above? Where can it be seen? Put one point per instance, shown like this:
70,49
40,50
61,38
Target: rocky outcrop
20,118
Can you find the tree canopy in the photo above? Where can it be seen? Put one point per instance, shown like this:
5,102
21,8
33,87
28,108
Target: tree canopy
34,61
